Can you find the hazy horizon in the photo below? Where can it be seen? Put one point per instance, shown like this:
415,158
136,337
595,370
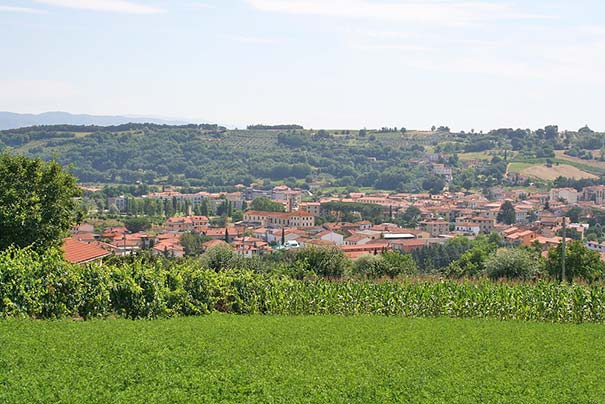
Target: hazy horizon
319,63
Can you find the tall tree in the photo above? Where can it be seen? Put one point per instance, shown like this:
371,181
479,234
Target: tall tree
507,213
37,202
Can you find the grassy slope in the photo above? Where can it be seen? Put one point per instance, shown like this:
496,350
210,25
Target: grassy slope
227,358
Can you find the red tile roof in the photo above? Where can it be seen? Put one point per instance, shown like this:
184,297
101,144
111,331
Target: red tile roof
78,252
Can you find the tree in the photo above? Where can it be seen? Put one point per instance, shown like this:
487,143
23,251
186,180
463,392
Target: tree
137,224
266,205
507,213
580,262
324,261
397,264
410,216
37,202
193,243
570,233
574,214
514,263
220,257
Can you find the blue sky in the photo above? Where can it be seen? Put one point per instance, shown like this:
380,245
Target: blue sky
322,63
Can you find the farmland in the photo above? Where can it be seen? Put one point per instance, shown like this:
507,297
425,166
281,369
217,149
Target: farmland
229,358
550,173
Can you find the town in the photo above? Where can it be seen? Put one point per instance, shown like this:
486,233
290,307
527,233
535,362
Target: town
408,221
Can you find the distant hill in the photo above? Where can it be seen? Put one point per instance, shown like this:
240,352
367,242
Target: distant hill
11,120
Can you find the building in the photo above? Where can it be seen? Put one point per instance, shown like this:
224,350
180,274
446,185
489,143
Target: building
78,252
311,207
185,223
435,227
299,219
486,224
468,228
332,236
594,193
569,195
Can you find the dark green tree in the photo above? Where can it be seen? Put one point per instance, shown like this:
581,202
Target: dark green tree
507,213
137,224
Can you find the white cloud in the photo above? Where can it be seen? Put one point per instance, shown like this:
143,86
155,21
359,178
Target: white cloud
433,11
20,10
116,6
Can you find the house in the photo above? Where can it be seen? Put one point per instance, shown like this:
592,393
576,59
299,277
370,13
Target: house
78,252
363,224
186,223
486,224
299,218
310,207
468,228
443,170
250,246
213,243
435,227
169,247
221,233
569,195
408,245
332,236
594,193
357,239
596,246
522,237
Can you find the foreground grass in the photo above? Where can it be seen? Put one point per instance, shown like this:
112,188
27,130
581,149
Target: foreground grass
235,359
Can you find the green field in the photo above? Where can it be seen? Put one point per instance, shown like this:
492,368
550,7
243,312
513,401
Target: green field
236,359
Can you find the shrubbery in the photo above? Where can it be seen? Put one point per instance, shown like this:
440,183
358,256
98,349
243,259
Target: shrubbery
45,286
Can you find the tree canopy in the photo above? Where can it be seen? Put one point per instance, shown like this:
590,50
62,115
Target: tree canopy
37,202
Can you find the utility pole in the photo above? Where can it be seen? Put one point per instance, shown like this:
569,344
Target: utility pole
563,251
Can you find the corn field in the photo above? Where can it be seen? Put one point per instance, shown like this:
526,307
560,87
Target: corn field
48,287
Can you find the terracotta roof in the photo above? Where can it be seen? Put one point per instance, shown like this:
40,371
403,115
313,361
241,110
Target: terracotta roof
78,252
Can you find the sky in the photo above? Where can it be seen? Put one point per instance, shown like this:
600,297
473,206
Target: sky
467,64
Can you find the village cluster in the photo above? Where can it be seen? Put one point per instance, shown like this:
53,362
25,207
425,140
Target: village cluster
538,219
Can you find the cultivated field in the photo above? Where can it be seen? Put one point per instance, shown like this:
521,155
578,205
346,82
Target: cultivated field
592,163
273,359
550,173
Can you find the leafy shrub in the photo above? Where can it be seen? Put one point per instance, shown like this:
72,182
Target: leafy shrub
514,263
328,261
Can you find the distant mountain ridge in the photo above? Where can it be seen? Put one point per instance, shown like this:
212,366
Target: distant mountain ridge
12,120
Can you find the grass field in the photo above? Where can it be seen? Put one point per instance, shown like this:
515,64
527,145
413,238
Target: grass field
237,359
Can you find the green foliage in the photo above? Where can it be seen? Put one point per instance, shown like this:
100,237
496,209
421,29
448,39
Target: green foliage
507,213
193,243
45,286
328,261
410,217
391,264
471,263
514,263
220,257
137,224
37,205
266,205
580,262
